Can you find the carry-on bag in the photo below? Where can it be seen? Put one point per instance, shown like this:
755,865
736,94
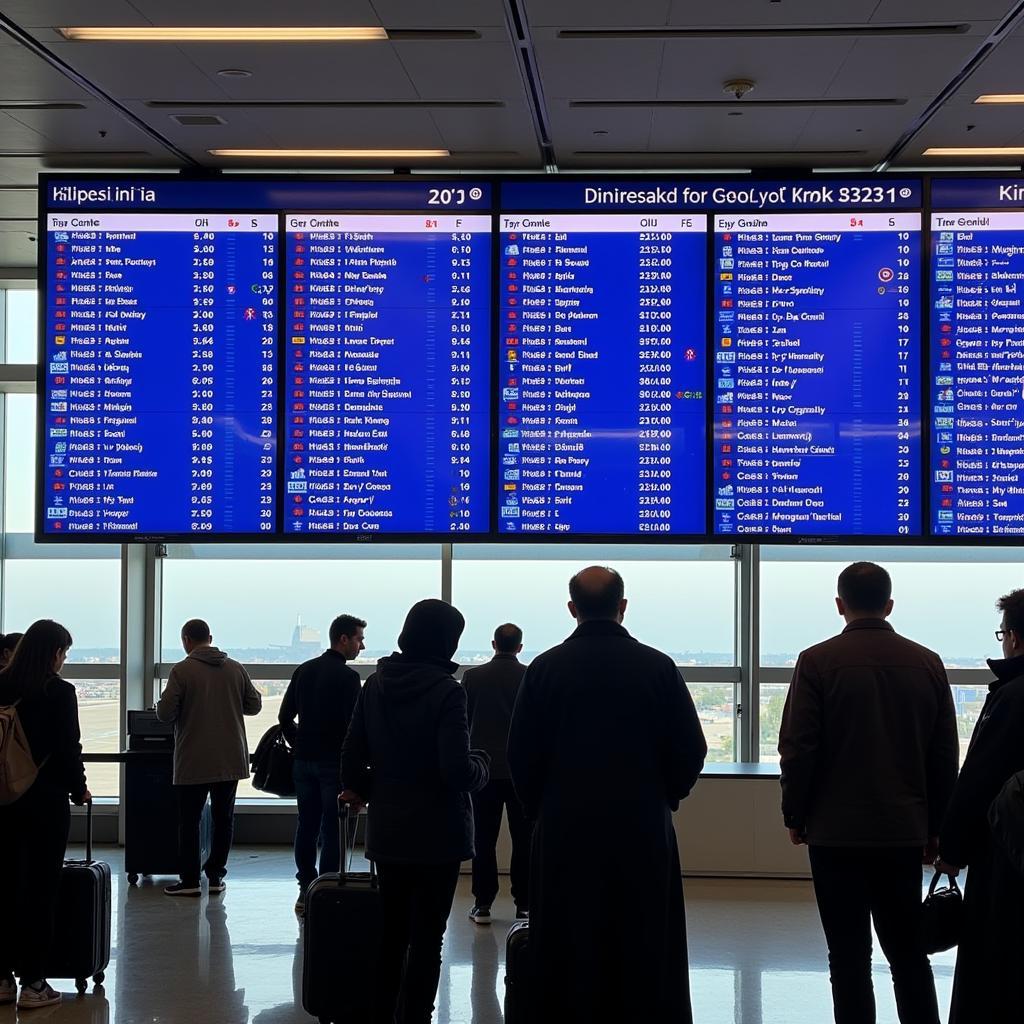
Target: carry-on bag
942,916
517,973
81,937
342,937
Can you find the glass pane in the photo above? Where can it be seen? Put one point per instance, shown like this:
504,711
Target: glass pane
684,608
269,611
772,699
99,714
257,725
797,606
19,463
21,325
715,703
83,594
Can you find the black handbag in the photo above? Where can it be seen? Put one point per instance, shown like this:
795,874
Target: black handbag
273,764
942,916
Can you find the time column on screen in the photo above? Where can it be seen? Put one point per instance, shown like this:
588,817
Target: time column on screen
233,380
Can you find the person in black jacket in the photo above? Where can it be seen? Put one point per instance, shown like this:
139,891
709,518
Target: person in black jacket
407,755
35,827
605,742
491,695
323,693
7,644
988,985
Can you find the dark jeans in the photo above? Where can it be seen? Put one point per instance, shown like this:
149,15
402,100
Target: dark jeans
416,900
316,791
854,887
35,836
191,801
499,794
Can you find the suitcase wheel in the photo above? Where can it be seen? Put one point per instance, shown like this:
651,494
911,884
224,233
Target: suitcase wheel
133,878
98,978
81,985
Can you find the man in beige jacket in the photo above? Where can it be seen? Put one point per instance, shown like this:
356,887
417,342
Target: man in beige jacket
206,697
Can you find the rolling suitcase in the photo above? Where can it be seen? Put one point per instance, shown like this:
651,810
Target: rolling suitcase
81,937
517,970
342,936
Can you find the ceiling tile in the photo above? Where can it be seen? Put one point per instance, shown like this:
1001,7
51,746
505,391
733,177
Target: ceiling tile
258,12
704,129
759,13
597,13
911,11
507,129
461,70
588,69
440,13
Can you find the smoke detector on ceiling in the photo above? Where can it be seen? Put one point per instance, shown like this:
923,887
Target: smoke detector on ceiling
738,87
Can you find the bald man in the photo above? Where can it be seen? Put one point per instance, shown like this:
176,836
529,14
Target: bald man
604,743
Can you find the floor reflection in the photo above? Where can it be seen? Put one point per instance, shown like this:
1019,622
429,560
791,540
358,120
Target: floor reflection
756,956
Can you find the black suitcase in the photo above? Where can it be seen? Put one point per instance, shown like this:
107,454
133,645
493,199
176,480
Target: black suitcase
81,938
517,971
343,924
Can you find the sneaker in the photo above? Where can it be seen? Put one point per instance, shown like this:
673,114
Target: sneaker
181,889
37,994
216,886
8,990
522,915
480,915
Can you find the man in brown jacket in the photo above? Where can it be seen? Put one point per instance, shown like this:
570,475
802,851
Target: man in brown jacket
206,696
869,758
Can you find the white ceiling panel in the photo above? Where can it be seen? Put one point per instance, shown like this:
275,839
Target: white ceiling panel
759,13
703,129
48,14
879,127
18,138
781,68
911,11
17,203
68,130
1003,71
24,76
328,71
599,69
461,70
574,128
139,72
507,129
17,248
598,13
440,13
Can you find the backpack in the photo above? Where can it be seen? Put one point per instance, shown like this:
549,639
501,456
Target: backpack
18,770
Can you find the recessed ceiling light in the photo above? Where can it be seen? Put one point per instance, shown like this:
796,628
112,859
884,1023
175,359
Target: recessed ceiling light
1001,97
224,34
974,151
330,154
234,73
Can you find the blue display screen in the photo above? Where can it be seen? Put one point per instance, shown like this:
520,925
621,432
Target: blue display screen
976,366
388,375
817,420
601,407
160,405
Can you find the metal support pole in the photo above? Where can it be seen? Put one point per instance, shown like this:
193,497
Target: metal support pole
748,649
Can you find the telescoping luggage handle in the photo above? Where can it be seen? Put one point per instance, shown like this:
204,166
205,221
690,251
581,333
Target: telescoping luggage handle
348,849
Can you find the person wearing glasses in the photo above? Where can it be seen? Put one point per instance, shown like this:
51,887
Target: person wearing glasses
988,984
869,752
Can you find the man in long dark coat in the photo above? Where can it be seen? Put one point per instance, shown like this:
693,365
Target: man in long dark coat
605,742
988,986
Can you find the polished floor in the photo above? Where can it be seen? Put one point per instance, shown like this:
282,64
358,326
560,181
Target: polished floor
756,956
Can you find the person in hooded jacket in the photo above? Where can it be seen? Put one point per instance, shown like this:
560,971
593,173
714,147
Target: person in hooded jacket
407,756
988,986
34,828
206,696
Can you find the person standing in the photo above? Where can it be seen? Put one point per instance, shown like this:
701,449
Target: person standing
206,696
491,695
407,754
869,754
35,826
604,743
322,693
7,644
987,985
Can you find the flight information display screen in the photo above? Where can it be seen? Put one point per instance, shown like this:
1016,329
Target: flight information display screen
601,407
976,360
388,425
159,406
817,362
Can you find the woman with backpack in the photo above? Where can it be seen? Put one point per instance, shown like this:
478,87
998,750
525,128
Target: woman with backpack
34,821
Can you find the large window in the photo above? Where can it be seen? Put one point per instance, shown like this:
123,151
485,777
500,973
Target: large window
21,325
